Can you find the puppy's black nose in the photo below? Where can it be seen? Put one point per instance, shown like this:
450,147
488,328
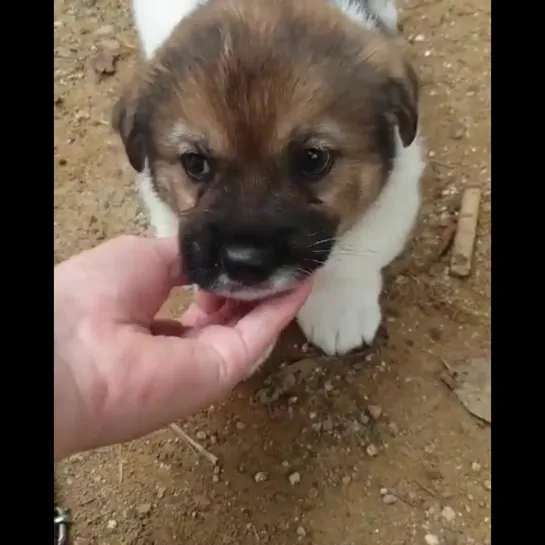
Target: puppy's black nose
247,263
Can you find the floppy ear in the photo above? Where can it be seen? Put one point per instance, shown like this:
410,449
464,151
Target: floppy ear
403,94
129,120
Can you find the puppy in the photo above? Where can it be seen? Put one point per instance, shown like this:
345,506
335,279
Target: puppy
279,139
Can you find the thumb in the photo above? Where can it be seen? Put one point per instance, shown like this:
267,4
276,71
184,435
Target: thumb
239,347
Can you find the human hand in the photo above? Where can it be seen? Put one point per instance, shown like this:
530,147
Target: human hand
120,373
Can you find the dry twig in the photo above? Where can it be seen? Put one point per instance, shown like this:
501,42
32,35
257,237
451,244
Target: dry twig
464,240
193,444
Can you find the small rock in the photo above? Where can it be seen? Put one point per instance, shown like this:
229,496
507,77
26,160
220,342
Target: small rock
215,479
161,491
111,525
488,484
143,509
241,426
364,419
430,539
301,532
475,466
260,477
346,479
312,415
105,30
213,439
327,424
328,387
448,513
104,62
294,478
375,411
201,435
111,45
457,131
383,491
305,348
389,499
393,429
371,450
419,38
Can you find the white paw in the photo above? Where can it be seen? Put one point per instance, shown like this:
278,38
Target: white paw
341,316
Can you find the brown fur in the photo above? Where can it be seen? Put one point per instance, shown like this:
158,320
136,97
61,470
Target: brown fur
242,79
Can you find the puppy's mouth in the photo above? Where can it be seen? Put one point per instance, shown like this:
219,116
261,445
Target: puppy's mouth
280,282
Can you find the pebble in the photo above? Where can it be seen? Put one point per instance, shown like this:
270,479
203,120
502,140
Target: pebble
241,426
327,424
389,499
112,524
430,539
294,478
346,479
215,479
143,509
371,450
393,429
213,439
475,466
448,513
375,411
161,491
488,484
419,38
105,30
260,477
200,435
301,532
457,131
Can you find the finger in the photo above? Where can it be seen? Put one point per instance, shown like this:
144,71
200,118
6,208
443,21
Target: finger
169,251
203,306
208,302
196,319
241,345
262,325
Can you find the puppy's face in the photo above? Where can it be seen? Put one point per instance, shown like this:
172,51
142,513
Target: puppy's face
269,127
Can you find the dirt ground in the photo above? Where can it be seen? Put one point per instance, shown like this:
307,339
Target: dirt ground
368,450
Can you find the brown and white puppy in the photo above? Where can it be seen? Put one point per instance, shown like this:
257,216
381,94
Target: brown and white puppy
279,139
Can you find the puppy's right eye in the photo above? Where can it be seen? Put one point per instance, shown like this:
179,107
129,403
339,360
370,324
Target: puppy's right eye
197,166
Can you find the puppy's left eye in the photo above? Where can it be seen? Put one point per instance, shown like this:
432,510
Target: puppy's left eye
311,163
197,166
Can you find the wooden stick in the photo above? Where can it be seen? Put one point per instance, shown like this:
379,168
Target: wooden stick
464,240
196,446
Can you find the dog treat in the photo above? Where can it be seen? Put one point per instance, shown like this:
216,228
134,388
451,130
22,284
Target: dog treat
464,240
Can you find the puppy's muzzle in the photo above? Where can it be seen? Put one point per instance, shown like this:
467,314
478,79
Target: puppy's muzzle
247,263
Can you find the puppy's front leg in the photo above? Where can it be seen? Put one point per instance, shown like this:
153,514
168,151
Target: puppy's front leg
343,310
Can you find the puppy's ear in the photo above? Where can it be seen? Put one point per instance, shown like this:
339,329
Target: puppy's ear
130,120
403,95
